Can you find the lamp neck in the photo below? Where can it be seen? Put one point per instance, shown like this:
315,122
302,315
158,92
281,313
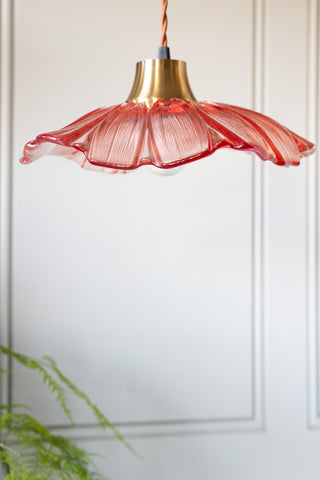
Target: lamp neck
160,79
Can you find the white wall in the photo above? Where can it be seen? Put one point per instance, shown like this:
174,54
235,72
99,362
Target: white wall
182,304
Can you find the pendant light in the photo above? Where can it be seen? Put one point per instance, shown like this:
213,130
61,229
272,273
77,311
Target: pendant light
162,124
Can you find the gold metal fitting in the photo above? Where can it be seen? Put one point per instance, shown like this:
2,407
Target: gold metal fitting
160,79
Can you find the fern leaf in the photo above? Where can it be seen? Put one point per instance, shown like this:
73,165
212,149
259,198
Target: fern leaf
48,380
47,365
42,454
102,420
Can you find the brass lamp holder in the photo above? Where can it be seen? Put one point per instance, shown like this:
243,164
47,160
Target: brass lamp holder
161,78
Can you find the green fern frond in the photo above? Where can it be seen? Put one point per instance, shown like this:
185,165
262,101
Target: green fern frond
102,420
40,451
12,406
48,380
43,367
41,455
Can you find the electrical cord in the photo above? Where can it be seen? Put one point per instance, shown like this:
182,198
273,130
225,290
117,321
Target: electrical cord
164,52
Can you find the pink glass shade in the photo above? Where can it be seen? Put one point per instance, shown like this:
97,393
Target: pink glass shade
166,134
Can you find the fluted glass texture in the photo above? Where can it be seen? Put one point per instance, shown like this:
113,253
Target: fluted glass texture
166,134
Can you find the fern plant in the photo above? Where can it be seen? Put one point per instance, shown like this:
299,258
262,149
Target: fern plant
28,450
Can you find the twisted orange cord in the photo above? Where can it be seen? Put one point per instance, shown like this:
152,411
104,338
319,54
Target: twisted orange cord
164,23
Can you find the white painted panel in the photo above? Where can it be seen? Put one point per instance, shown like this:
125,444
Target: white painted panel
313,210
286,224
141,285
228,457
139,295
6,102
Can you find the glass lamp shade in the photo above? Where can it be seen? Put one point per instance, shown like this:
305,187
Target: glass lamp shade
162,124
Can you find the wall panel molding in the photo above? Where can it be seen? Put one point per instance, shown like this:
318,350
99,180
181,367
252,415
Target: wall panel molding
6,136
259,208
256,421
160,429
312,216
